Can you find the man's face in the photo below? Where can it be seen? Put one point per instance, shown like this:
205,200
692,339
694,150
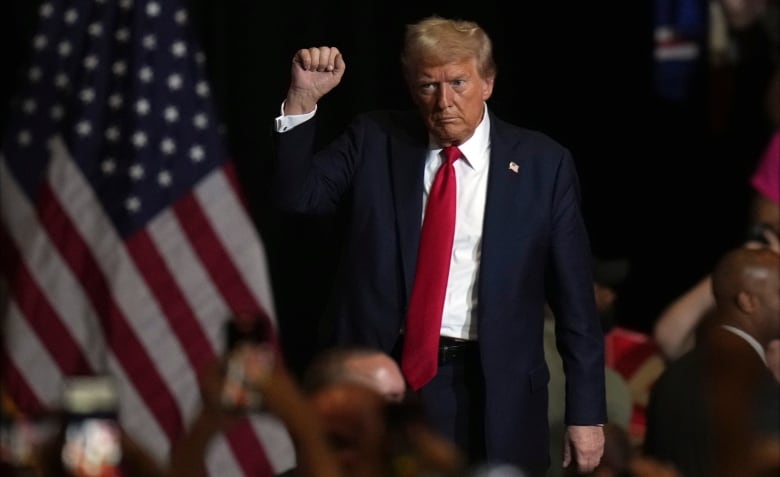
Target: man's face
451,99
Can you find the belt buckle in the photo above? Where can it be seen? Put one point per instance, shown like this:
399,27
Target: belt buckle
450,349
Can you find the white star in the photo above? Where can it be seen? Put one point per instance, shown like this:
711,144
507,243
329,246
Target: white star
87,95
108,166
139,139
90,62
29,106
126,4
115,101
71,16
153,9
95,29
24,137
196,153
167,146
61,80
149,42
146,74
119,68
164,178
171,114
57,112
39,42
200,58
64,48
46,10
83,128
113,133
122,35
136,172
34,74
200,121
179,49
133,204
174,81
142,107
180,16
202,88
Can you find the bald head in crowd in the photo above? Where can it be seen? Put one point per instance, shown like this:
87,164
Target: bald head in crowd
355,364
746,285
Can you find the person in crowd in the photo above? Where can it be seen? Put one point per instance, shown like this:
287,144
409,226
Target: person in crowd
452,279
374,437
676,327
717,403
360,364
266,376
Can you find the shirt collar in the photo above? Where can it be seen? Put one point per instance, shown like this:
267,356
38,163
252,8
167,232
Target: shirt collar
751,341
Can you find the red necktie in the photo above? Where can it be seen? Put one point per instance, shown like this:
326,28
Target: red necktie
420,355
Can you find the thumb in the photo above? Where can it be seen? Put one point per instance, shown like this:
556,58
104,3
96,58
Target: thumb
339,65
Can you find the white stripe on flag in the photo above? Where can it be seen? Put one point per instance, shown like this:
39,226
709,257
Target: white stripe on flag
143,427
31,358
53,276
199,291
220,459
240,238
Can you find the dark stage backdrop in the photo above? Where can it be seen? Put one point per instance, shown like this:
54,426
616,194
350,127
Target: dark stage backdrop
579,71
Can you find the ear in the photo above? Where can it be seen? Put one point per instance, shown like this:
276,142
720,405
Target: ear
745,302
487,87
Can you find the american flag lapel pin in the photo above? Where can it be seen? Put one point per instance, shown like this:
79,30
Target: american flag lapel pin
514,167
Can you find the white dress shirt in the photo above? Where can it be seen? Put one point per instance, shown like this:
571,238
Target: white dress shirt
471,172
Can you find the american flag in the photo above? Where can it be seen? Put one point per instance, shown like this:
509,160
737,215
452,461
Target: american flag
125,242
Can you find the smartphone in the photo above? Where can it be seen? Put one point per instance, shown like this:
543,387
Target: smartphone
92,436
250,356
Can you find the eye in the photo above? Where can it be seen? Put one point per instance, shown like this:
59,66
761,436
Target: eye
427,88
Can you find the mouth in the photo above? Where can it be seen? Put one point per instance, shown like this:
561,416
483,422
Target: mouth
446,120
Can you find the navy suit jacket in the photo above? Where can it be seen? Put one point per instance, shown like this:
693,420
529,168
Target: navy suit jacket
535,249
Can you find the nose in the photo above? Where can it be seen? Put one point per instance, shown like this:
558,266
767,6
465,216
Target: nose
444,99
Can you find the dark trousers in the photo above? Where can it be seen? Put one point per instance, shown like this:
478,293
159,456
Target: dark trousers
454,401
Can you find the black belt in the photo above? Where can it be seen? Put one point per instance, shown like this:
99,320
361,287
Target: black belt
453,349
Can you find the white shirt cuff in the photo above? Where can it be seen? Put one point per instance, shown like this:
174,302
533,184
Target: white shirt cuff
286,122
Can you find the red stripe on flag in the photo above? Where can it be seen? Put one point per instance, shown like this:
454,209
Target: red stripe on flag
216,260
249,451
42,317
242,439
128,350
171,299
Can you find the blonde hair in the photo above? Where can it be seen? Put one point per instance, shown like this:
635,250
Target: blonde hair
435,41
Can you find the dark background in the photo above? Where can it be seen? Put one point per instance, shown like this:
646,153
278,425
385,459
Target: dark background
660,186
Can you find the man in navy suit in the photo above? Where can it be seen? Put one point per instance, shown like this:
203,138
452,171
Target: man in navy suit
520,241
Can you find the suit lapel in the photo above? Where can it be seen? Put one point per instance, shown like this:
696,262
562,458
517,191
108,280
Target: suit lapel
407,161
507,205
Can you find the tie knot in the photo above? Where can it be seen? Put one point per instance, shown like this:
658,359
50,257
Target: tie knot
451,154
